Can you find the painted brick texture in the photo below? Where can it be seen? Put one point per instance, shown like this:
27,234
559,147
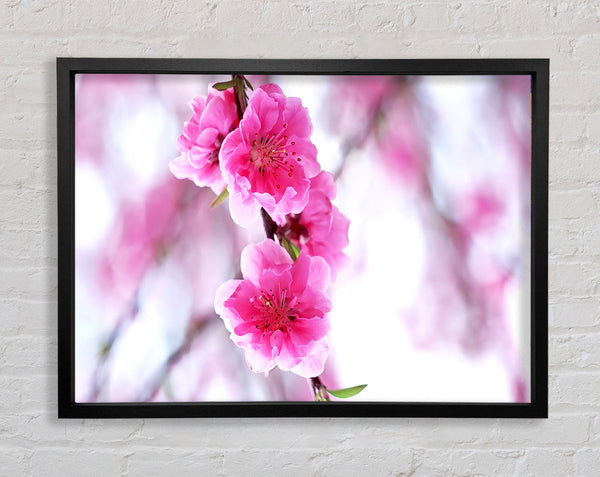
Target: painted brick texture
34,442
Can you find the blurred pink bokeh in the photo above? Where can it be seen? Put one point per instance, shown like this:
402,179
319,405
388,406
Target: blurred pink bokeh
433,174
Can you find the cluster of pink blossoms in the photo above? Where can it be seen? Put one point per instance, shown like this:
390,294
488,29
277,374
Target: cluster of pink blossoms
278,312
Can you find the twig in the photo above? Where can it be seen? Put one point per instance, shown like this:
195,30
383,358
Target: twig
319,390
269,225
197,327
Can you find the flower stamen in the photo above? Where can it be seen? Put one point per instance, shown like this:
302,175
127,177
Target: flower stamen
273,314
268,154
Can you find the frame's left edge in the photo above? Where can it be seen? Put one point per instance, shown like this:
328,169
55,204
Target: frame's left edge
66,232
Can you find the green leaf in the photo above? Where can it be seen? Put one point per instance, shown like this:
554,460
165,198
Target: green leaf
289,247
346,392
248,84
220,198
224,85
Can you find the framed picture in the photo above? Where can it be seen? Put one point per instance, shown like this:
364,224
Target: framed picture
339,238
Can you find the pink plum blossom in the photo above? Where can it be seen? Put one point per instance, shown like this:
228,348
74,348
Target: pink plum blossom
277,313
213,118
140,231
358,100
402,144
269,160
320,229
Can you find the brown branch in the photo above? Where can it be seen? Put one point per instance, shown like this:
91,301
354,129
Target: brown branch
357,141
239,91
107,348
318,389
269,225
197,326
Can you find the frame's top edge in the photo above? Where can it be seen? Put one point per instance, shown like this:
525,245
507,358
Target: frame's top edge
364,66
67,59
324,60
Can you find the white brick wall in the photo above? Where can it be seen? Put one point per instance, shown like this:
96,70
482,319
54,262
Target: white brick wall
34,442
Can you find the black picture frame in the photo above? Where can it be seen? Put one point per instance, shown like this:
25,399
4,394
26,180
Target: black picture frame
67,68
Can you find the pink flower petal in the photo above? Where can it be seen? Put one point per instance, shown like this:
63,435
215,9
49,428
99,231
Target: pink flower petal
223,293
307,330
300,273
257,258
220,113
320,274
264,107
180,167
244,208
297,118
288,355
259,359
314,363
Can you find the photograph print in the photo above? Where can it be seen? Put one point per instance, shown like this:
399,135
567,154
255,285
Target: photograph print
302,238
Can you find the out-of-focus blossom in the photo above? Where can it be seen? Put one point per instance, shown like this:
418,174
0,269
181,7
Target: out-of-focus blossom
98,96
479,210
358,100
320,230
140,230
277,313
402,144
213,118
144,345
268,161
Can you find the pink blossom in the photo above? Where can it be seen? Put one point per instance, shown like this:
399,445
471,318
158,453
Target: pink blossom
277,313
358,100
98,95
268,161
480,209
402,145
320,229
212,119
140,231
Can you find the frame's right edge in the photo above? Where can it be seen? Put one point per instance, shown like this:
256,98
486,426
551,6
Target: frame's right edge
539,238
